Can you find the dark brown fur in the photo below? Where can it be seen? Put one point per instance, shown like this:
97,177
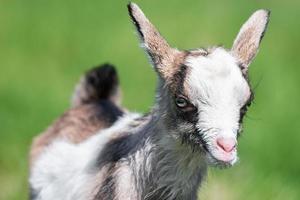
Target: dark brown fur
77,124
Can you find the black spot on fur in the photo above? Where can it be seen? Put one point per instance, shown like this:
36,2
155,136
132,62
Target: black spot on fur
99,83
115,150
109,111
103,80
122,146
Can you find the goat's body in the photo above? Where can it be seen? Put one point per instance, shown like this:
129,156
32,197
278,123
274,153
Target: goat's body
98,151
126,161
77,124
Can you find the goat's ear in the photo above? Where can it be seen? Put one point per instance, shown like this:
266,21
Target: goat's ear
247,42
159,51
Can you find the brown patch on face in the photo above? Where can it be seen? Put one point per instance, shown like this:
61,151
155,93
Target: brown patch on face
76,125
173,72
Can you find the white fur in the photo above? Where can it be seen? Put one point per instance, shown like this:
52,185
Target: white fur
216,86
62,172
125,189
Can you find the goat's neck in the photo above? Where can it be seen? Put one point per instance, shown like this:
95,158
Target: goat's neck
166,169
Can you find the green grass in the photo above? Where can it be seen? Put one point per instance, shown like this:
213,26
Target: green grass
46,45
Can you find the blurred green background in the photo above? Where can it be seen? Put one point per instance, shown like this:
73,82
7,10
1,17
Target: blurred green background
46,45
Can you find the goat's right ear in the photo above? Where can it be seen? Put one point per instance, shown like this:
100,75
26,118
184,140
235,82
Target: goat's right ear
159,51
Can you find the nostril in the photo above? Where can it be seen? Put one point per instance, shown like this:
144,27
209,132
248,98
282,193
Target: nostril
227,144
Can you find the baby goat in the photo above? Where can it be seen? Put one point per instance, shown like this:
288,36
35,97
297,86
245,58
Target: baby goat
97,150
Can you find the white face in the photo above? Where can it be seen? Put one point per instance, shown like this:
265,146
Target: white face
216,86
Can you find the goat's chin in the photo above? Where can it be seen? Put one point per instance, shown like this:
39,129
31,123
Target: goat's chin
215,159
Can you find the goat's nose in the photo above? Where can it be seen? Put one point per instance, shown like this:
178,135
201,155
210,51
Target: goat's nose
227,144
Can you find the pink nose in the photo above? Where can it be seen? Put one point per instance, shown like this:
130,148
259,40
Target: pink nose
227,144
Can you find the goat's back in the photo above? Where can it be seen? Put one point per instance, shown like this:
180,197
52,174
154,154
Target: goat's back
76,125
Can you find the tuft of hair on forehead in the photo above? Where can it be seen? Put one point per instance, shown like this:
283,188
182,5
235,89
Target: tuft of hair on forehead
215,74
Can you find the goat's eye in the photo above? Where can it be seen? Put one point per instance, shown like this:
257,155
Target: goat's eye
181,102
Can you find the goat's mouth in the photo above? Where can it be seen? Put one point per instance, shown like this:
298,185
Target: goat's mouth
215,155
219,158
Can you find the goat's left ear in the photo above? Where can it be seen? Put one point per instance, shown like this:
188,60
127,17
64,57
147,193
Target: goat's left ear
247,42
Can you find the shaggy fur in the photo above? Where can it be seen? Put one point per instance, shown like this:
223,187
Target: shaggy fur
99,151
